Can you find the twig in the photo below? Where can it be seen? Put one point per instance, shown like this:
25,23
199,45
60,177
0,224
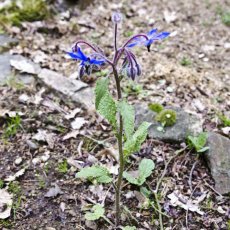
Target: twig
190,175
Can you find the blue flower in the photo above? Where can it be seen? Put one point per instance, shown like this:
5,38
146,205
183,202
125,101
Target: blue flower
152,37
87,62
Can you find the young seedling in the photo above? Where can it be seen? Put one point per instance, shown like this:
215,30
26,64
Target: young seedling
118,112
198,142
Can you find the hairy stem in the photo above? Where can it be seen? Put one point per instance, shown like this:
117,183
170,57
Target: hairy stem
121,155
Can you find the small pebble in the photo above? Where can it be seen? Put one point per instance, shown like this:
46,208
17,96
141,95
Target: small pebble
31,144
18,161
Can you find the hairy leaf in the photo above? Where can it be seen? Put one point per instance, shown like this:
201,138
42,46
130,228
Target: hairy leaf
130,178
101,174
100,90
128,116
97,212
198,142
144,171
133,144
108,109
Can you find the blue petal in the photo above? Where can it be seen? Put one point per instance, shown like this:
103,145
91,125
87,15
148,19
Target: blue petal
96,62
149,42
74,55
83,57
151,32
162,35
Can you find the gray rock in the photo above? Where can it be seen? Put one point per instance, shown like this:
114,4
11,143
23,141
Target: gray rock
6,69
6,42
76,90
186,124
218,159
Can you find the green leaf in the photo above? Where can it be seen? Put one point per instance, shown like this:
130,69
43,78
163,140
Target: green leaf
129,228
128,117
198,142
108,109
133,144
100,89
101,174
130,178
97,212
144,171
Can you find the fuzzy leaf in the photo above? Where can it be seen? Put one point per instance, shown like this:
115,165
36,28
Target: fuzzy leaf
128,116
100,90
108,109
134,143
101,174
198,142
130,178
97,212
144,171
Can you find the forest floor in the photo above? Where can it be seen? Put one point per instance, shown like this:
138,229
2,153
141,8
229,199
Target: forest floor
190,70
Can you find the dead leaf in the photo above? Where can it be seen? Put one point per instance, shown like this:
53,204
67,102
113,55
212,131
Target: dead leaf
6,201
16,175
78,123
72,134
183,202
73,113
54,191
43,136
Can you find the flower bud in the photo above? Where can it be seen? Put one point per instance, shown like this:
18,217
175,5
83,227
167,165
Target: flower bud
81,71
116,17
138,68
131,72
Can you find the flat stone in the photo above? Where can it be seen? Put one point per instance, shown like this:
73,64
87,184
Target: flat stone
218,159
6,42
6,69
186,124
74,89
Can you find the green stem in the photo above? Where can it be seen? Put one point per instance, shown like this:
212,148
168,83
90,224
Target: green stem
121,155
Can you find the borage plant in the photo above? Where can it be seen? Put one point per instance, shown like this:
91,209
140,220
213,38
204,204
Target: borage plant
118,112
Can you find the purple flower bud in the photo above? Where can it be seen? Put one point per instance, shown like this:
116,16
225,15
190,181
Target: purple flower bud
116,17
131,72
81,71
138,68
88,69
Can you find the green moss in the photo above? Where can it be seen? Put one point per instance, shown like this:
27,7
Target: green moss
24,10
166,117
63,167
224,120
225,18
156,107
14,187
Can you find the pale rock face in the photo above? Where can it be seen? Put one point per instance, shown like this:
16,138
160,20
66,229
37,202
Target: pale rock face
218,159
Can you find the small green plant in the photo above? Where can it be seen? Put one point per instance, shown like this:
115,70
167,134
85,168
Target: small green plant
12,126
225,18
118,112
225,121
1,183
63,166
166,117
185,61
128,33
155,107
95,173
133,89
14,83
198,142
41,182
96,213
145,169
14,187
5,224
